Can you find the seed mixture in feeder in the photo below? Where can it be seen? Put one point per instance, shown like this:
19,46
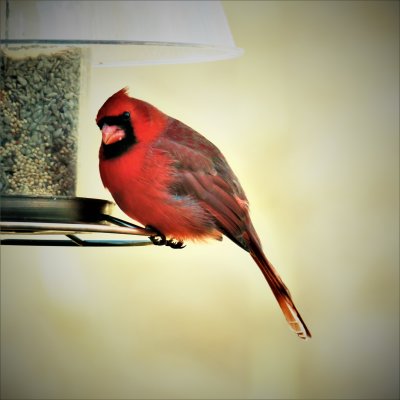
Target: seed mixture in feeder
39,105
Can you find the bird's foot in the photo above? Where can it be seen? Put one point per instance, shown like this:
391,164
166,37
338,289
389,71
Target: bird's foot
159,239
175,244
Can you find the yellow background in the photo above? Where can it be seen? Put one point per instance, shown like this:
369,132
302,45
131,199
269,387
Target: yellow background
308,119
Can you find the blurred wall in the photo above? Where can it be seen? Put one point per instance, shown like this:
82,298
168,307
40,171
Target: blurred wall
308,119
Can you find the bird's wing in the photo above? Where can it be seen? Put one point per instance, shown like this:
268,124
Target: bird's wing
202,173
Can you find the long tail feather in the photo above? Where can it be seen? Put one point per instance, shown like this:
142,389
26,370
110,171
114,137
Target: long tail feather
280,291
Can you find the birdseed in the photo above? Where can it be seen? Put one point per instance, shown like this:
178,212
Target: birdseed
39,105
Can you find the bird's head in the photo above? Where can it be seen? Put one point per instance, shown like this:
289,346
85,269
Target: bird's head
125,122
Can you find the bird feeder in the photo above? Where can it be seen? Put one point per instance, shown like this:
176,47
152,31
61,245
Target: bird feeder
47,50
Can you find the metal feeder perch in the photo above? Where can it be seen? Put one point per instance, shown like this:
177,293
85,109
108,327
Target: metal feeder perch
34,215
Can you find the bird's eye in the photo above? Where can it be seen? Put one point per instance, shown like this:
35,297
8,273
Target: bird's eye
126,115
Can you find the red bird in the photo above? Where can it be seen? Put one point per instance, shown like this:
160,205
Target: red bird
167,176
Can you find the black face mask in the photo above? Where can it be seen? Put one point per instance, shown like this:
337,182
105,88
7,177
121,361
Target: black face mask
116,149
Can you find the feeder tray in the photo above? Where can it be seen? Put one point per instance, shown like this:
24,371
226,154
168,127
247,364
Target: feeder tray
69,216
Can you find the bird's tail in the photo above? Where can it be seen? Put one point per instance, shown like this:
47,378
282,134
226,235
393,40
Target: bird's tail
280,291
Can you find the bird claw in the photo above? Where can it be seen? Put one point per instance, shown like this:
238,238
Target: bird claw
159,239
175,244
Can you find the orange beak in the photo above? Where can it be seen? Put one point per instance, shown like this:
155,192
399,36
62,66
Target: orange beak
112,134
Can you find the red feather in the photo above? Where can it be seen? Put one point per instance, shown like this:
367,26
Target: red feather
177,181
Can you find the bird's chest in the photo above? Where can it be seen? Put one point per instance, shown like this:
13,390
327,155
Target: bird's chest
138,180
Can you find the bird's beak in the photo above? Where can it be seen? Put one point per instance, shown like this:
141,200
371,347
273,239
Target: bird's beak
112,133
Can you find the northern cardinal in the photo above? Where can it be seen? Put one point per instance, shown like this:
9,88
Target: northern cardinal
167,176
